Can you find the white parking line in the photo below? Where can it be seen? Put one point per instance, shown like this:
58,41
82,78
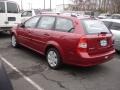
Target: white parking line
24,76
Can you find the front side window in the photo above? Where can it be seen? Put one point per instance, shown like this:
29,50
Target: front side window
27,14
31,23
63,24
46,22
12,8
2,7
94,27
115,26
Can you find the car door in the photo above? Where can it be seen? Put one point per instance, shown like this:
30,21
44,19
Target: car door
42,34
24,31
65,38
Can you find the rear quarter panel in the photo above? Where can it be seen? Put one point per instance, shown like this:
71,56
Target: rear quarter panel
66,43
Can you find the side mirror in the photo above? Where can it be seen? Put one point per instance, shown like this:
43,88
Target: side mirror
22,25
71,29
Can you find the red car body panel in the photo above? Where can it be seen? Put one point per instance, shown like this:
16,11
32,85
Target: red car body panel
67,44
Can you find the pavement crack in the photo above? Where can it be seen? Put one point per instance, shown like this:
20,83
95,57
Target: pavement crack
57,82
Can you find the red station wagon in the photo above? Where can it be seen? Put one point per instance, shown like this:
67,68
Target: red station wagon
68,40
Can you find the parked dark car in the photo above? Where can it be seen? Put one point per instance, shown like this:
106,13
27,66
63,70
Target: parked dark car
63,39
5,83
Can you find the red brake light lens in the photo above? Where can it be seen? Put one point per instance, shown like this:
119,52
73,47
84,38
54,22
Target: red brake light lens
82,45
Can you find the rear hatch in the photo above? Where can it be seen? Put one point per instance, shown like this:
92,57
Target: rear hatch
99,38
13,16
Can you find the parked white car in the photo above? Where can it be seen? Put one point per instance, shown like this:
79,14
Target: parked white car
9,15
103,16
115,16
29,13
114,26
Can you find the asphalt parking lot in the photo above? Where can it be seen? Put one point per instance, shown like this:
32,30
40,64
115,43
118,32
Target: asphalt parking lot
29,71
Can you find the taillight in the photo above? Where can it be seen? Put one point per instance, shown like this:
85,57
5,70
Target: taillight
82,45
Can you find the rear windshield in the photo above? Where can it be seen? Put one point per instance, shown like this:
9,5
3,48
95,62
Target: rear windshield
95,27
2,7
12,8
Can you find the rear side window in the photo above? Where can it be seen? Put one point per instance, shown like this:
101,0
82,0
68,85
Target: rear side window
2,7
46,22
95,27
115,26
12,8
63,24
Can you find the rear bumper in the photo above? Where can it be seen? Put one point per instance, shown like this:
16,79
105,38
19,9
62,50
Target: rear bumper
87,60
5,28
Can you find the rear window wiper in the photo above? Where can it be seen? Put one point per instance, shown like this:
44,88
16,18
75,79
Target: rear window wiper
103,33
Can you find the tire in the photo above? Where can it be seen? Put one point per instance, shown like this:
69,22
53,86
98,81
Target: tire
118,51
14,42
53,58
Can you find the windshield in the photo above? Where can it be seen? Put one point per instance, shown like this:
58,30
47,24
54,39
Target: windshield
2,7
95,26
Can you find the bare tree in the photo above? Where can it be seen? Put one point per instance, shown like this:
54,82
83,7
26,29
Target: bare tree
112,6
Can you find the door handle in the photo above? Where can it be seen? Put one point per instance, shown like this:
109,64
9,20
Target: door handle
46,34
29,32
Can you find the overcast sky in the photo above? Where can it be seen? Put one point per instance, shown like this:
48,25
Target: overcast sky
40,3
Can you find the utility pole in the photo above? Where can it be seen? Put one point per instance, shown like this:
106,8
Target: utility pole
44,4
63,5
21,4
50,6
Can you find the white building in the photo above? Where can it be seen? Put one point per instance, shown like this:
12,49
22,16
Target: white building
62,7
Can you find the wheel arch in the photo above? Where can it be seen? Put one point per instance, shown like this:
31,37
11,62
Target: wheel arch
56,46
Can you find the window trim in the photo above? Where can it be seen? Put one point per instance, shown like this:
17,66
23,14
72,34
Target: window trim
53,27
59,30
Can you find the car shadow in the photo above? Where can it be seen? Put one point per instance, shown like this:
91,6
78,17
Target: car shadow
4,35
70,69
75,70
